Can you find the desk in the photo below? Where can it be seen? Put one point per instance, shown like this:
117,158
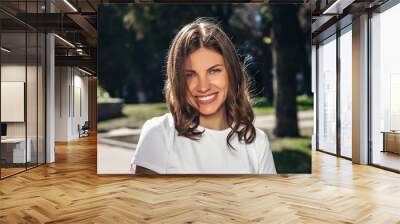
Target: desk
391,141
13,150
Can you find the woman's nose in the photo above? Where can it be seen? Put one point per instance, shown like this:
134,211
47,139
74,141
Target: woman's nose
204,84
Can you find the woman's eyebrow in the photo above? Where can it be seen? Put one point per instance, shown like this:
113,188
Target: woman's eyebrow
214,66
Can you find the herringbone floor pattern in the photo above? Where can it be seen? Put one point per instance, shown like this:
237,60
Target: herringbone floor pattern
70,191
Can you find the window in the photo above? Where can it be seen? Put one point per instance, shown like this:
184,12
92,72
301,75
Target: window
327,95
385,88
346,92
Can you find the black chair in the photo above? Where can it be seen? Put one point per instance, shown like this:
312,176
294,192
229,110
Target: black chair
84,130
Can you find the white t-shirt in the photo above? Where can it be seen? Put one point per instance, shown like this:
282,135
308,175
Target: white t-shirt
161,149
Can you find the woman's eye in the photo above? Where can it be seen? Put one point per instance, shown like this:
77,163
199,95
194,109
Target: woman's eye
213,71
189,74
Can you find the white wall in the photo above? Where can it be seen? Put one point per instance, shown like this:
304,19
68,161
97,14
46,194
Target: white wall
71,102
80,110
61,103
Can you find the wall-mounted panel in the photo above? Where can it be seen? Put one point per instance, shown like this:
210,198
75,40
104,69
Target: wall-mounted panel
12,101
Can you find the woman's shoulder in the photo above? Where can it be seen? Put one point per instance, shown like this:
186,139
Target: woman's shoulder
261,142
163,122
153,145
155,134
264,154
261,137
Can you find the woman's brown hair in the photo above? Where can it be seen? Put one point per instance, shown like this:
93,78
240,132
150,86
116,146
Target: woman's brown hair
206,33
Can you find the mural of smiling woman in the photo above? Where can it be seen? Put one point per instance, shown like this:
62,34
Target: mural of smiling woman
209,129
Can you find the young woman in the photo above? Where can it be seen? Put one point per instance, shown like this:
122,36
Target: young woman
209,129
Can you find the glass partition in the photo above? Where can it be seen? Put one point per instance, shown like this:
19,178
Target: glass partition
22,101
31,99
41,88
327,95
33,73
14,153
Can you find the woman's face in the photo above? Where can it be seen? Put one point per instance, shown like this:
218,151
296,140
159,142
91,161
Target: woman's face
207,81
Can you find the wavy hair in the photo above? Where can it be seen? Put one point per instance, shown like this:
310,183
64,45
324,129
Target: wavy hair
205,32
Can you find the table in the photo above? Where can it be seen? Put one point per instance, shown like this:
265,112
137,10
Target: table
13,150
391,141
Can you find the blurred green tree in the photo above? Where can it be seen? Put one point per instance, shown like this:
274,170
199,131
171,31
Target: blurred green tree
289,46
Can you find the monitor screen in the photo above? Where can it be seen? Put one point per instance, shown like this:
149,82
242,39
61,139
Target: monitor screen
3,129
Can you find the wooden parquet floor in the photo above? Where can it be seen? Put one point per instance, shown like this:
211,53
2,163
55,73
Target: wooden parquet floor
70,191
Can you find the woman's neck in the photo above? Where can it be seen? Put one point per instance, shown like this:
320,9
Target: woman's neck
215,121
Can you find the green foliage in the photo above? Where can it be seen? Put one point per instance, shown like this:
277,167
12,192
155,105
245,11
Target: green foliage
305,102
102,93
145,111
262,106
292,161
291,155
260,102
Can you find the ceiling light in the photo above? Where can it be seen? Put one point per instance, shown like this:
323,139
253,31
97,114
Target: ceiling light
64,40
337,7
70,5
79,51
84,71
5,50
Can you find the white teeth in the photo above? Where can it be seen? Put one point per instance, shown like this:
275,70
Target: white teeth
205,98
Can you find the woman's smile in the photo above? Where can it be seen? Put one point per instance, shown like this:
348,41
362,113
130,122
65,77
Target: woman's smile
207,98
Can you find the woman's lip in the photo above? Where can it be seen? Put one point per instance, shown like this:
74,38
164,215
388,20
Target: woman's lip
207,99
